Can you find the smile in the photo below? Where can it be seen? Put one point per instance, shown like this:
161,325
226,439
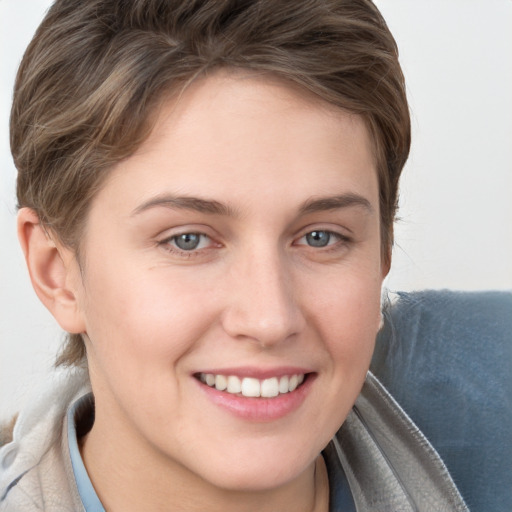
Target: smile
251,387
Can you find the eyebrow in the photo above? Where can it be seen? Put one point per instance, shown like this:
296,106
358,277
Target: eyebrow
212,207
187,203
336,202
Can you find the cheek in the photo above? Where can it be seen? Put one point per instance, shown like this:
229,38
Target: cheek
348,317
139,329
147,317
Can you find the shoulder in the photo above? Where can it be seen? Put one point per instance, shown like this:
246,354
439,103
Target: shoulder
35,473
388,461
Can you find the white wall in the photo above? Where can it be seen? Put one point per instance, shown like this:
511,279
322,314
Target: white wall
456,208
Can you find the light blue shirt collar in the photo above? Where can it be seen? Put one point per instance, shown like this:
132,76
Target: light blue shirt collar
87,493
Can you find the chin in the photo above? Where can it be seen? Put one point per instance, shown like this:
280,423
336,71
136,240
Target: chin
257,470
252,479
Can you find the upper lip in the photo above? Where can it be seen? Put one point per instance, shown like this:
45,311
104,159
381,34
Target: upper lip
257,373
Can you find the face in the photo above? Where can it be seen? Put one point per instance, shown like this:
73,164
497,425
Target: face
238,247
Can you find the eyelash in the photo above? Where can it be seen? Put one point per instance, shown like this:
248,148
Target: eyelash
339,241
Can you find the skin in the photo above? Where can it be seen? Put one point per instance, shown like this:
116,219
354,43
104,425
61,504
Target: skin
254,293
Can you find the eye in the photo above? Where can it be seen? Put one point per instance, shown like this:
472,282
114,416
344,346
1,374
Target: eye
320,238
189,241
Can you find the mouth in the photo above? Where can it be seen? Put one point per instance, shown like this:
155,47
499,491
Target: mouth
257,395
251,387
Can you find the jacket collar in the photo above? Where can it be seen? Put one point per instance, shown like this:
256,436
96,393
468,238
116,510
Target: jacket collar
378,460
388,462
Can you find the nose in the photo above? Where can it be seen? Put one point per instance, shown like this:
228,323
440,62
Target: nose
263,305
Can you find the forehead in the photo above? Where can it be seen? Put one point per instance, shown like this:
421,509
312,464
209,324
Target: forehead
243,99
249,130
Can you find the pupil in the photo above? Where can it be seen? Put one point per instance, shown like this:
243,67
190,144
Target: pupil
188,241
318,238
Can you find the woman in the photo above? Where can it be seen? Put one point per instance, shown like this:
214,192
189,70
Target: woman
207,192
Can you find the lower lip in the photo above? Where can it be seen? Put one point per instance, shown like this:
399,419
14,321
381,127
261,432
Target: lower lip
260,409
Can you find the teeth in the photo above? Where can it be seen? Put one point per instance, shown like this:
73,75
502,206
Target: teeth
234,385
270,388
251,387
283,384
221,383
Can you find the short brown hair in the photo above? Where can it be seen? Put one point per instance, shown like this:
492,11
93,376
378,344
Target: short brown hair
95,71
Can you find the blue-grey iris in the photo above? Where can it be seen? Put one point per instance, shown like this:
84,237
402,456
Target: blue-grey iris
187,241
318,238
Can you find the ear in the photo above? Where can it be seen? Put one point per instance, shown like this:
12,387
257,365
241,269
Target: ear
53,270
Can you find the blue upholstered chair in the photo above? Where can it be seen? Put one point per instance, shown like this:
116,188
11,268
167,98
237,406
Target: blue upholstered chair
447,359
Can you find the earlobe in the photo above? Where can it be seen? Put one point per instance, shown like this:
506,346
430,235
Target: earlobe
53,271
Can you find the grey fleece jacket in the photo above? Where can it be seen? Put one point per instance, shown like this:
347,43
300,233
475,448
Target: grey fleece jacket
378,461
